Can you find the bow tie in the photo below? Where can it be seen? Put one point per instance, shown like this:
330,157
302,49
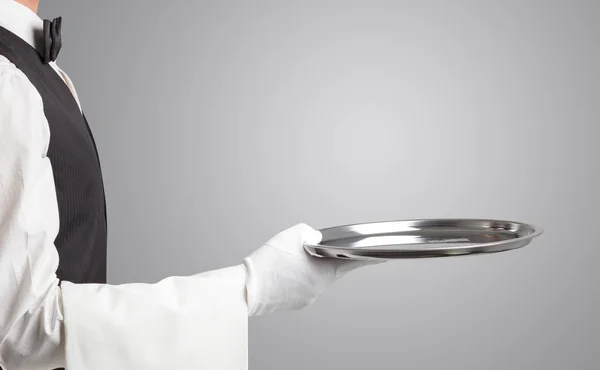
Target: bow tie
52,39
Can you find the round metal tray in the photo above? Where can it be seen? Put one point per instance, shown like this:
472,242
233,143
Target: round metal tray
422,238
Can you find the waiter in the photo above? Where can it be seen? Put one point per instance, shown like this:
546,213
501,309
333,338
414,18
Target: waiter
56,309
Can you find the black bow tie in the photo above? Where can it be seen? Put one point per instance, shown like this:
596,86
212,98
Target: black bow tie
52,40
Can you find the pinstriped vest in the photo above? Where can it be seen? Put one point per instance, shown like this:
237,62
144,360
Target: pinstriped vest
81,241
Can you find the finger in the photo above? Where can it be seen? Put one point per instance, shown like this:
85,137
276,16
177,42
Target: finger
293,239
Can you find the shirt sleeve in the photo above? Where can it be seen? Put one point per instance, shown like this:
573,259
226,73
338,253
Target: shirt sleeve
191,322
30,314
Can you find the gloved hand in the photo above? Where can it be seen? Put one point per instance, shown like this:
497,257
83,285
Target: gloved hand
281,275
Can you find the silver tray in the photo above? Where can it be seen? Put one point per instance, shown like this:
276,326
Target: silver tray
422,238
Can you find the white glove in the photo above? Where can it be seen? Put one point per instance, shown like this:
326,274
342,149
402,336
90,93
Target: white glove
282,276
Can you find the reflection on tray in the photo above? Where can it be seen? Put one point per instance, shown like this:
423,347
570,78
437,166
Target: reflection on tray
427,242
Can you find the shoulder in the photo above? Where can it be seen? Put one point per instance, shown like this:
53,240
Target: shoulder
5,64
13,80
22,116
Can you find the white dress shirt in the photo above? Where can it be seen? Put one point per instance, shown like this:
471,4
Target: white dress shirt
194,322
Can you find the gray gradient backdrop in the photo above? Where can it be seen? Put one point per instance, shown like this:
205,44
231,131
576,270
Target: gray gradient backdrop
221,123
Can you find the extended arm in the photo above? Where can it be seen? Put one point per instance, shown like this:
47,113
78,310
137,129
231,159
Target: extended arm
189,322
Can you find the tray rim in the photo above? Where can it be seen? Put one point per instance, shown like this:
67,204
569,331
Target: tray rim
436,251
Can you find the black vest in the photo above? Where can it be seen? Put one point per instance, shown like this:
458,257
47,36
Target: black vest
81,241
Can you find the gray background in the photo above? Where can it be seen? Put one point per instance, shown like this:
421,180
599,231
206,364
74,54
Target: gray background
221,123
